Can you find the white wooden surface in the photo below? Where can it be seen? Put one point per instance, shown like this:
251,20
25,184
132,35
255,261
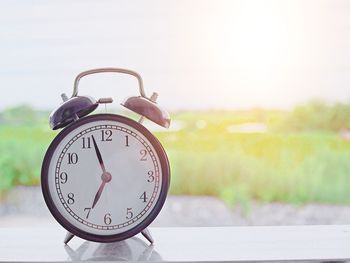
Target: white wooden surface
215,244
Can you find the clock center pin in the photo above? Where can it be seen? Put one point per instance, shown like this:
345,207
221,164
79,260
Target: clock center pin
106,177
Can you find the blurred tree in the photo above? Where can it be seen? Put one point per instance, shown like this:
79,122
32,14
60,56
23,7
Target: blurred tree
19,115
317,115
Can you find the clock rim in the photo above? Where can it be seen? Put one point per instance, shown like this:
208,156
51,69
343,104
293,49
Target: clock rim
165,168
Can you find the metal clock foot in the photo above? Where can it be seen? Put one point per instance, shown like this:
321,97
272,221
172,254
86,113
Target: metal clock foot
147,235
68,237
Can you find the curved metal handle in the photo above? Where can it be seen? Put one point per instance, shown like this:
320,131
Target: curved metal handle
104,70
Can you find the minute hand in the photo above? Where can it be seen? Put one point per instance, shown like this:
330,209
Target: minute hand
99,157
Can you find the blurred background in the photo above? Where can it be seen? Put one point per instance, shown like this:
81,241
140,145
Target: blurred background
258,92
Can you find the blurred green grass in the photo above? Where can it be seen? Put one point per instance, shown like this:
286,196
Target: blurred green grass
22,149
279,165
295,168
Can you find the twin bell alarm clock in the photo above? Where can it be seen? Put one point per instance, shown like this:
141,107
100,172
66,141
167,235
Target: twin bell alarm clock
105,177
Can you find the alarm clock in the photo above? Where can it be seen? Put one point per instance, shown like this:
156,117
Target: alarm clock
105,177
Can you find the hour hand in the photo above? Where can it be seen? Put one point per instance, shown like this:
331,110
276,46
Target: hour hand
106,177
98,153
98,194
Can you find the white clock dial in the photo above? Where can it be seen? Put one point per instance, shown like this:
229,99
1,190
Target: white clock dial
104,177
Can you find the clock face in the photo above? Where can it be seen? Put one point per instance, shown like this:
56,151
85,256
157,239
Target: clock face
105,177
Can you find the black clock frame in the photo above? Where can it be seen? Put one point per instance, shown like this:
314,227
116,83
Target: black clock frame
164,163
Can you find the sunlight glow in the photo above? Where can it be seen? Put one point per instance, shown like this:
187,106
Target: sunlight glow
261,46
207,54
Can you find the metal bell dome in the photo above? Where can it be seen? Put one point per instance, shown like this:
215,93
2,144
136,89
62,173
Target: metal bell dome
149,109
70,110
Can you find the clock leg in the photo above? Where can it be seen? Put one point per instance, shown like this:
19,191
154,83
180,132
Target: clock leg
68,237
147,235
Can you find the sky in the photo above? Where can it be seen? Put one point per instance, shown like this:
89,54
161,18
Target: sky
196,54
